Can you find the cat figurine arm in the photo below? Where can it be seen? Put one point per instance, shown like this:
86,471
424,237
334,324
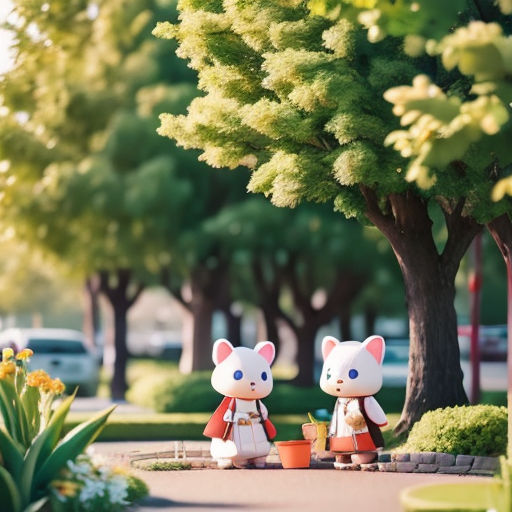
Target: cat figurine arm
375,412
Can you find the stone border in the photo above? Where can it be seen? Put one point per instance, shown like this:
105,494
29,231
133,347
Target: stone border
423,462
434,462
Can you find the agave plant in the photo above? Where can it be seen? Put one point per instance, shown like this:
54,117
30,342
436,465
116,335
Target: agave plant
32,450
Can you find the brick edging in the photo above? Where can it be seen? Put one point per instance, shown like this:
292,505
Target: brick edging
421,462
435,462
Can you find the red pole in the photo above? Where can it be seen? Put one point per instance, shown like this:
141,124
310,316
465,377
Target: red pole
475,285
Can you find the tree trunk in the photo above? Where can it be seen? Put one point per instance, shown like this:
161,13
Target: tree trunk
435,375
270,317
234,327
196,354
345,327
370,317
268,301
119,385
121,300
306,337
206,287
501,231
91,319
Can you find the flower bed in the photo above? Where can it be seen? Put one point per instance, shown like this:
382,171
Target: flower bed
41,468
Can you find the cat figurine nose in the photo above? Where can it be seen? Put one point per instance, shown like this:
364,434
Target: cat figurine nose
339,381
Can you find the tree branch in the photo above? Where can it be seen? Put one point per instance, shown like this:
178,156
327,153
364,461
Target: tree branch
373,211
133,299
301,302
461,231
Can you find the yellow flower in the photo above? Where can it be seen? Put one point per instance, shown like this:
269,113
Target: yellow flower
39,379
7,368
57,386
7,353
65,487
25,354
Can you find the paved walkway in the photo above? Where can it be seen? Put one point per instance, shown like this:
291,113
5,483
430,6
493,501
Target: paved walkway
254,490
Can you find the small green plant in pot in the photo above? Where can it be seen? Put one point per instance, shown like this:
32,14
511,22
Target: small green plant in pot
33,453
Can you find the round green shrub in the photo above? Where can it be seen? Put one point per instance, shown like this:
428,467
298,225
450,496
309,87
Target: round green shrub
137,489
469,430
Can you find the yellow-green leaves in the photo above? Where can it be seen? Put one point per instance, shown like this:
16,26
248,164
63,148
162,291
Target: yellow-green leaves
505,6
441,128
479,49
502,188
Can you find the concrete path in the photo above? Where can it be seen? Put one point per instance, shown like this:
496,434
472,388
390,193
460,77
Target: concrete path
278,489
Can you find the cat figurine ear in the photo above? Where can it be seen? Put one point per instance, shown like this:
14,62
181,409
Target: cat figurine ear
267,350
328,343
221,350
376,347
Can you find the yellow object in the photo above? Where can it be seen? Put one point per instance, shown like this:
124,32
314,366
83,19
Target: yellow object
7,368
66,487
321,433
467,497
39,379
25,354
7,353
57,386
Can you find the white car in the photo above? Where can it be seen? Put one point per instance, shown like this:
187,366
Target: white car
62,353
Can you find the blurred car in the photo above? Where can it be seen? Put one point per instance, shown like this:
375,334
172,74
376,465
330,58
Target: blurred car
492,342
62,353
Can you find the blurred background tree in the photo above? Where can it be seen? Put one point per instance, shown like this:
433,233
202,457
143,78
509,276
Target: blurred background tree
85,176
323,264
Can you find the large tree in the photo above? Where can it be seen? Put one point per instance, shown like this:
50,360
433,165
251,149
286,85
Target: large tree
299,99
458,115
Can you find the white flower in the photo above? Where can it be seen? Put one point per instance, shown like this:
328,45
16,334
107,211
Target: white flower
79,468
92,489
117,488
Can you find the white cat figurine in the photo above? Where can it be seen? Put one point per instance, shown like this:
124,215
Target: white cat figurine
352,372
240,429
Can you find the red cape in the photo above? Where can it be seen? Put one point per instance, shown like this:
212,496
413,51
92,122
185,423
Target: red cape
219,428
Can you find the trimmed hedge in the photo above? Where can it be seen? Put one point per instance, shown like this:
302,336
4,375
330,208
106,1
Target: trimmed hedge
174,426
469,430
174,392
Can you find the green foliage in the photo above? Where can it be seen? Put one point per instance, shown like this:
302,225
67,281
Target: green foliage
92,183
174,392
128,427
470,430
33,452
314,71
300,118
137,489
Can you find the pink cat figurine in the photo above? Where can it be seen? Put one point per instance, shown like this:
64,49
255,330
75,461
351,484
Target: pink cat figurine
352,372
240,429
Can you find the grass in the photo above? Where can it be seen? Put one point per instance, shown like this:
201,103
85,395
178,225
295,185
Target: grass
160,465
